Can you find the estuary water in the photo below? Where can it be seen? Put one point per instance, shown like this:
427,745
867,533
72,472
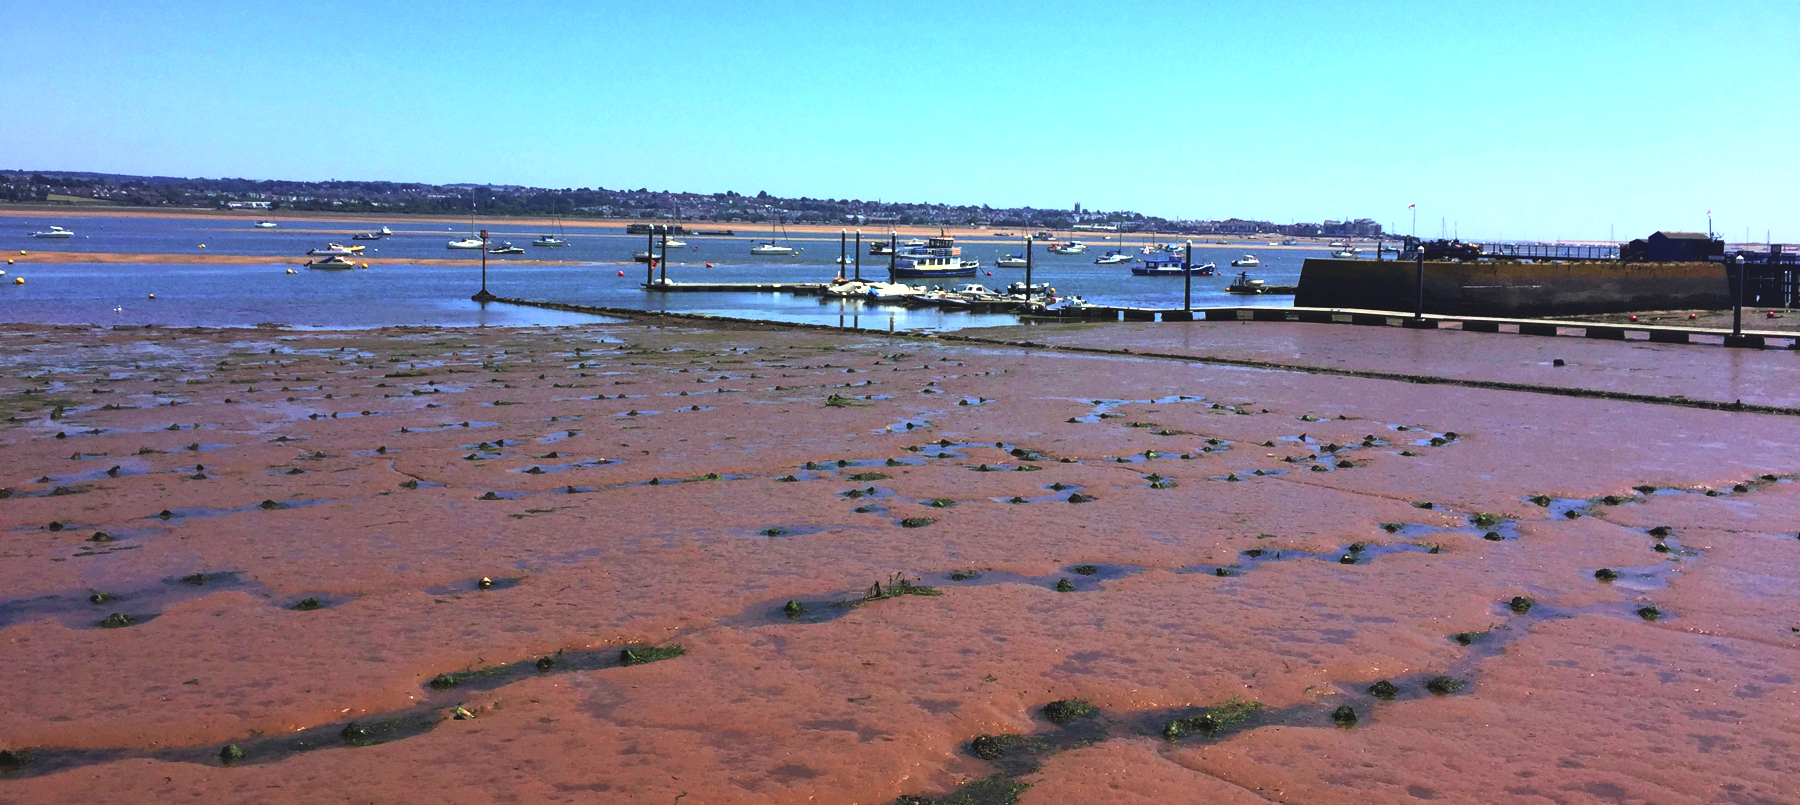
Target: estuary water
408,284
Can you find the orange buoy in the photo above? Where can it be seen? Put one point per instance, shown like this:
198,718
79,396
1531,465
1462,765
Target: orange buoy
621,273
1692,316
709,265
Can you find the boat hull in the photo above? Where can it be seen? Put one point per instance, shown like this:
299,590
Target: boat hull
932,272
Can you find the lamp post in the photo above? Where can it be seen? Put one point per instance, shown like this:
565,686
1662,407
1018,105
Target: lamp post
484,297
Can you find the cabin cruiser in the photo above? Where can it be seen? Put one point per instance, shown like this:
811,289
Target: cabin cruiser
880,249
918,264
332,263
1168,264
1247,261
1113,258
375,235
1011,261
1036,289
464,243
266,224
1070,247
1348,253
334,248
549,240
506,247
53,232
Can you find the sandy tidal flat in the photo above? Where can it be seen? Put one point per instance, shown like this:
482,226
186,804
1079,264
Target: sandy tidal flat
772,566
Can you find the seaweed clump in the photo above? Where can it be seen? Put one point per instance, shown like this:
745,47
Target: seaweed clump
997,789
991,747
1212,720
1063,711
642,656
1384,690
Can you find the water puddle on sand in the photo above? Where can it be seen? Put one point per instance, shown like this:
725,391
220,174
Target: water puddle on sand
138,604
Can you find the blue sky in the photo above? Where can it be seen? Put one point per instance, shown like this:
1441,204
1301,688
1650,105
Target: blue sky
1510,119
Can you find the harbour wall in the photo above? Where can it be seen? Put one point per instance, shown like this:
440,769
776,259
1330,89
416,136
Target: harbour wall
1512,289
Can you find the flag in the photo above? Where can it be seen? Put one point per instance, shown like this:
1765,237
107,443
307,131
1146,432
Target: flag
1412,206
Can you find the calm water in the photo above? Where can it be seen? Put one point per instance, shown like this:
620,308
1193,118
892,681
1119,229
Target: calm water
398,292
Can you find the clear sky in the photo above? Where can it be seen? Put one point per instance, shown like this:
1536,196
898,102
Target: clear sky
1510,119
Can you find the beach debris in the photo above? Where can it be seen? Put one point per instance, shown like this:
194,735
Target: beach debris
793,608
1077,497
461,714
101,536
100,597
917,522
1649,612
1606,574
1085,570
485,583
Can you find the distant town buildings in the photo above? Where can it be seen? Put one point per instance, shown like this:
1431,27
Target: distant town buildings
643,203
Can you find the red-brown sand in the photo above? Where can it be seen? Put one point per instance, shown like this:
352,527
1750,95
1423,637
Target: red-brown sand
1282,538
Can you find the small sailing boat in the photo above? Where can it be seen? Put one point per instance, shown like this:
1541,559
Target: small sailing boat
552,240
771,248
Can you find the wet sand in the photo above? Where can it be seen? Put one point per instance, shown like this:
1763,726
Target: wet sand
1215,558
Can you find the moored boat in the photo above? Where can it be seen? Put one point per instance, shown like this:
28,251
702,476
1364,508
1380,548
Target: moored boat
1170,265
265,224
464,243
1113,258
334,248
332,263
1067,247
54,232
1011,261
920,265
506,247
1247,261
549,240
1244,285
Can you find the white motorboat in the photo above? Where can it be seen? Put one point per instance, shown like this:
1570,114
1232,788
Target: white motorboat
1345,254
1011,261
892,291
332,263
464,243
53,232
845,289
1071,247
334,248
1247,261
971,264
266,224
1113,258
507,248
673,244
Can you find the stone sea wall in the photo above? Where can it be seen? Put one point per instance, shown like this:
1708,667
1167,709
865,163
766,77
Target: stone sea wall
1512,289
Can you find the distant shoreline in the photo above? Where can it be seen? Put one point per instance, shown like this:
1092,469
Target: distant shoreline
740,228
